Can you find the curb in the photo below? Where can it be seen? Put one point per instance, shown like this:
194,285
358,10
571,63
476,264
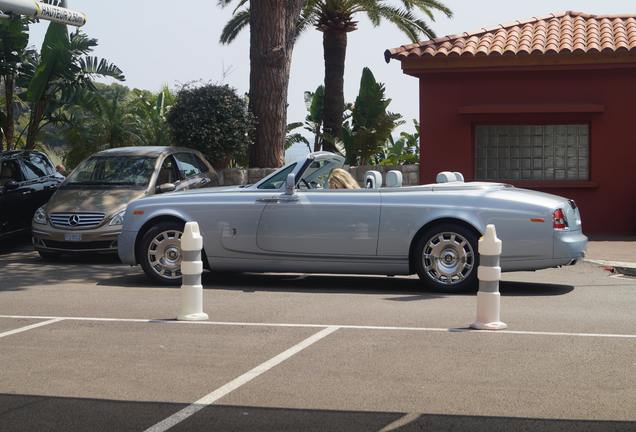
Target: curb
622,267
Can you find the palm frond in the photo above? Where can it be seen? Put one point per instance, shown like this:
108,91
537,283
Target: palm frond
428,6
406,21
81,44
234,26
293,126
101,67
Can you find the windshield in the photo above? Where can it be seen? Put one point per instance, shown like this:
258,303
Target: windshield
113,171
277,180
316,176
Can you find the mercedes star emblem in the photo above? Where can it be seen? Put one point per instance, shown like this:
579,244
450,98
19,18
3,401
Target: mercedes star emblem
73,220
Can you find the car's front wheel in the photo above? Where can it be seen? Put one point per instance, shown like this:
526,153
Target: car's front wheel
446,258
159,252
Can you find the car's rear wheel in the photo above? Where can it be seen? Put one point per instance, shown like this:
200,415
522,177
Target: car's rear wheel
160,252
446,258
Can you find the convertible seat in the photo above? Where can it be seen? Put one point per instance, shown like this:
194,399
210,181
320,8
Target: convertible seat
448,177
372,179
394,178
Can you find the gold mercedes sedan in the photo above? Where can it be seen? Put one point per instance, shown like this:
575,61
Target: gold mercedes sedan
86,212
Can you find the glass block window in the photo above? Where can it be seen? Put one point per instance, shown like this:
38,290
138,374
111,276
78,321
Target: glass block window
532,152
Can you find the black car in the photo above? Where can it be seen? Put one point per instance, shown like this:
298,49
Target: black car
27,181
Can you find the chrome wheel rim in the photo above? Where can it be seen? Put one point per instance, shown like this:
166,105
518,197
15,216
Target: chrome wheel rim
448,258
164,254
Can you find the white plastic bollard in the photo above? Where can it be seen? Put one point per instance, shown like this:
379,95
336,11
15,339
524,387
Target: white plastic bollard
489,274
191,269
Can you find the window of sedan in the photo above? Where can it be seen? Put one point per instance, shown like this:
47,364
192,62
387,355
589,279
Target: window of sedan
187,164
9,170
35,167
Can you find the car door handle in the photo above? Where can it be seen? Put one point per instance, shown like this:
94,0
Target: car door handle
268,200
26,192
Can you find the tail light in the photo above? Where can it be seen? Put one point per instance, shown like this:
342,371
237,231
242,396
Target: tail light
559,221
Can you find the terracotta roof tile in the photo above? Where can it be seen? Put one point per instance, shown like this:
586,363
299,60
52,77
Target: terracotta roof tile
562,33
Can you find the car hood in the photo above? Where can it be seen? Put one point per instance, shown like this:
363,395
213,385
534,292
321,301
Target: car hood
107,201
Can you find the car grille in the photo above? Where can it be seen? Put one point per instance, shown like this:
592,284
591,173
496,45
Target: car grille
51,244
76,220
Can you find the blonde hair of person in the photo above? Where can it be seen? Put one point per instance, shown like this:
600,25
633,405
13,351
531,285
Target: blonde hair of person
341,179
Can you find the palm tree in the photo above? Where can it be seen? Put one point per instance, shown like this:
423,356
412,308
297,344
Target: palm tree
335,19
100,120
273,25
150,111
63,71
14,37
315,103
371,123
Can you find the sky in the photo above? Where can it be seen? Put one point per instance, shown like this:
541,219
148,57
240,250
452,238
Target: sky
157,42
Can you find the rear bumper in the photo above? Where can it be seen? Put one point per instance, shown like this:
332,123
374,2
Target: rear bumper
569,248
569,245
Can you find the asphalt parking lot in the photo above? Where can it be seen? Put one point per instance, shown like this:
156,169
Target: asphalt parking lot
90,344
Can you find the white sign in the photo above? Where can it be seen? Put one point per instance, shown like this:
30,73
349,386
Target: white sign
44,11
59,15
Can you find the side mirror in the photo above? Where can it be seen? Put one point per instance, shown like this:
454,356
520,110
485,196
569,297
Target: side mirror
11,185
166,187
290,184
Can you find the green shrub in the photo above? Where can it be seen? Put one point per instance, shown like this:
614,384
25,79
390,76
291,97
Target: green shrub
214,120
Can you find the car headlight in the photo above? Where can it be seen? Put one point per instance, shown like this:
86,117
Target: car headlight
40,216
118,219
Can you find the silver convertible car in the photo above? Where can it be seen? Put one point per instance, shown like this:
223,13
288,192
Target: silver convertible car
292,222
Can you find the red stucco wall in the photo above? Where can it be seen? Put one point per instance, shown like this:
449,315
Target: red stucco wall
608,200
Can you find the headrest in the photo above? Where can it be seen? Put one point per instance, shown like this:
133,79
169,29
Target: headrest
448,177
394,178
372,180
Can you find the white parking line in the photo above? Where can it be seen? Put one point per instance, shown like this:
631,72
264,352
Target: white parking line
217,394
342,326
29,327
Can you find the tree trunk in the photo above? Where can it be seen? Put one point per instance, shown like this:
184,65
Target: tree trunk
335,51
9,122
34,123
272,38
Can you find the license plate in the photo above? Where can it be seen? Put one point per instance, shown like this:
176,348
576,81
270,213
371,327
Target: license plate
73,237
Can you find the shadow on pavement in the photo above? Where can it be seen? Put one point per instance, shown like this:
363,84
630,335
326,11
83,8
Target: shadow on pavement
24,269
38,413
314,283
410,289
21,243
528,289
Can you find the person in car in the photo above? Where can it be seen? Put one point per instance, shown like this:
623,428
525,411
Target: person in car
341,179
61,169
